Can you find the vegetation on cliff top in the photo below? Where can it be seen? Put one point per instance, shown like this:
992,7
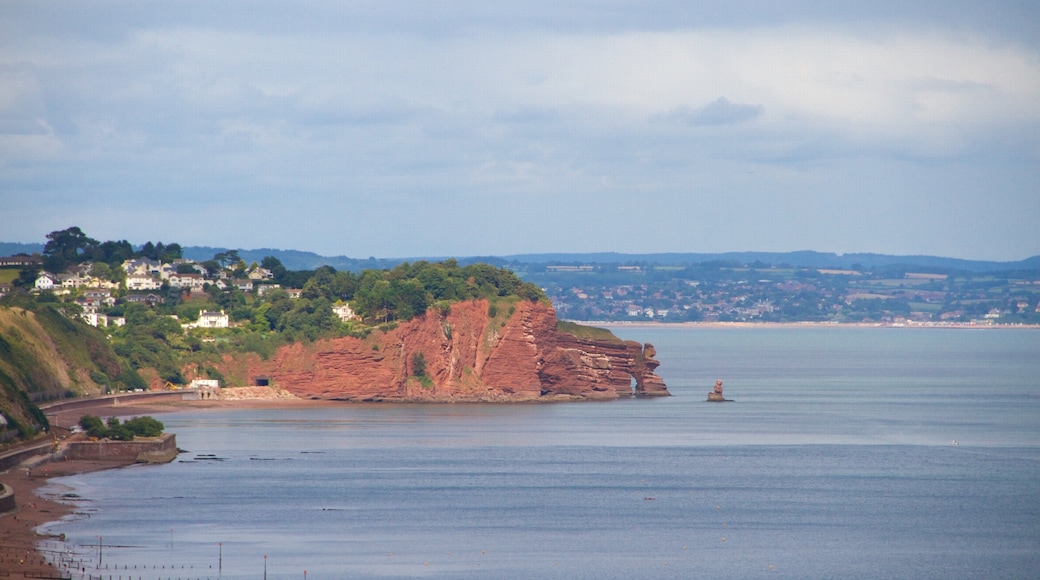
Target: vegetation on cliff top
587,332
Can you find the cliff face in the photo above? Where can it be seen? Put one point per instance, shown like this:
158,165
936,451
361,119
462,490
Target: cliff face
469,354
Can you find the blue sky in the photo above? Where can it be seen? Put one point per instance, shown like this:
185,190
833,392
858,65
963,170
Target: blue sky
402,129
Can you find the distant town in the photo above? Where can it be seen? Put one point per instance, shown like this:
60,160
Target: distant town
762,292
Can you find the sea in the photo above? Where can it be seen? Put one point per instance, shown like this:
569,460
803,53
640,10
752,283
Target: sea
846,452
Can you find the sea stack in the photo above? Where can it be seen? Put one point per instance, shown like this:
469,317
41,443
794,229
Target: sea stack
715,396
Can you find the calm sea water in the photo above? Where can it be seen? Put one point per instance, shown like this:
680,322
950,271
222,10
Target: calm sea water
836,460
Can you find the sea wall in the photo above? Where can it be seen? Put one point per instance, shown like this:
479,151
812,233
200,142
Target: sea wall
162,449
7,503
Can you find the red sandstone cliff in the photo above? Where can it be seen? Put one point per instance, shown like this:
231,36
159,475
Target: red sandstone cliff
469,354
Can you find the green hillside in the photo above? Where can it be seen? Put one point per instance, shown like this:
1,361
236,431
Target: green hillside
45,356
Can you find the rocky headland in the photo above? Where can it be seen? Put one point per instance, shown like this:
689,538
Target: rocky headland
472,352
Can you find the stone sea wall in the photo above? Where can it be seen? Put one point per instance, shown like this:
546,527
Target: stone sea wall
162,449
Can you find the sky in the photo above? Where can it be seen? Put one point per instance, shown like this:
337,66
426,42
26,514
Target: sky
456,128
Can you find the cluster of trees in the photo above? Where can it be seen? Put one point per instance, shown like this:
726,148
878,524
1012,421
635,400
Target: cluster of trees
72,246
410,289
136,427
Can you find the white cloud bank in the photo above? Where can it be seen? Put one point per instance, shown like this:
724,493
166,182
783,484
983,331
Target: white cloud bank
756,131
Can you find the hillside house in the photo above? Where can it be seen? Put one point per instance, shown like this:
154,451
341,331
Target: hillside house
189,281
142,267
45,281
263,289
142,282
261,274
95,318
344,311
151,299
20,261
209,319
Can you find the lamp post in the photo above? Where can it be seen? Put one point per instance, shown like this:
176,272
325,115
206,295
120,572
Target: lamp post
265,566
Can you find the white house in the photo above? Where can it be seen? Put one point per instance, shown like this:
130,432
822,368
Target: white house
190,281
209,319
142,266
44,281
95,318
142,282
344,311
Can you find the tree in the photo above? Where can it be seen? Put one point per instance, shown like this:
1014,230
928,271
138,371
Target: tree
227,258
170,252
113,253
274,265
68,246
418,365
101,271
144,426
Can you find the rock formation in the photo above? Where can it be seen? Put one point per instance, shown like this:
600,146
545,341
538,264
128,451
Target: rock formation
715,396
470,353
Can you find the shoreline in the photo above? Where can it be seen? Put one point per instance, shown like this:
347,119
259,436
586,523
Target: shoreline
734,325
21,546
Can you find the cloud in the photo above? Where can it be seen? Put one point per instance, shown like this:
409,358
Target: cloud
466,110
719,112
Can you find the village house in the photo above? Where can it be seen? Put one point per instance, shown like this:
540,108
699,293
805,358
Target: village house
74,280
190,281
100,295
95,318
45,281
344,311
150,299
142,267
136,282
209,319
261,274
20,261
263,289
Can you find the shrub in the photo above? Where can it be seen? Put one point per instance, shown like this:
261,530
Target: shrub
144,426
418,365
93,426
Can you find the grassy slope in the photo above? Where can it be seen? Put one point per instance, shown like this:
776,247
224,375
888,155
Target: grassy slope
587,332
43,355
